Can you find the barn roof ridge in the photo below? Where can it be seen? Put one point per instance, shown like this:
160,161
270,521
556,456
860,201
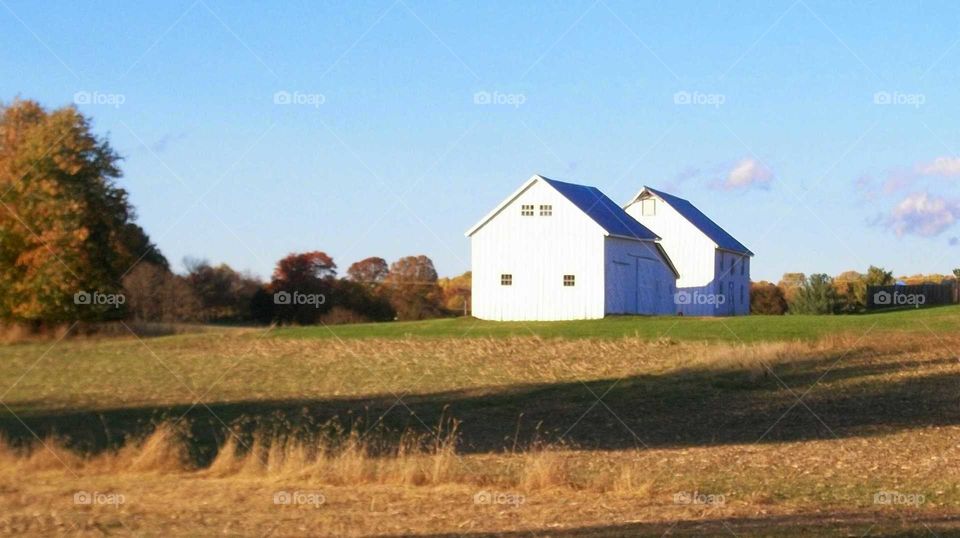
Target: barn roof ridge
694,216
596,205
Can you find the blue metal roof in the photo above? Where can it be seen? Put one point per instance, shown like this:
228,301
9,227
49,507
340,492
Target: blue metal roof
602,210
696,217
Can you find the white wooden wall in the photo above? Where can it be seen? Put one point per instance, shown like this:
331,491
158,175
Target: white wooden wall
704,269
691,251
638,279
538,251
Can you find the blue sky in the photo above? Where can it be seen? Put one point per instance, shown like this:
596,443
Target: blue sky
821,134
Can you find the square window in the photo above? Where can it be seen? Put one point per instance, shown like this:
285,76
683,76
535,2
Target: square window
526,210
506,280
649,207
546,210
569,280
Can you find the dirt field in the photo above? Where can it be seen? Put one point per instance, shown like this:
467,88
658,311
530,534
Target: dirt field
853,434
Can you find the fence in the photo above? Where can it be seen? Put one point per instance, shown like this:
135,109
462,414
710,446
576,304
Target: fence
879,297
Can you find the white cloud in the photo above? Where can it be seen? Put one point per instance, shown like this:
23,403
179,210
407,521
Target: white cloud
941,166
923,215
748,173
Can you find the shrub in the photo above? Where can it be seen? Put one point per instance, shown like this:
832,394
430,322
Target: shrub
767,299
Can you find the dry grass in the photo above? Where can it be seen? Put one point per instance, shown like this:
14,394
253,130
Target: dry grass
418,490
888,400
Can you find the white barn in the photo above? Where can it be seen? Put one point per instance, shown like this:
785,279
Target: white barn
714,267
554,250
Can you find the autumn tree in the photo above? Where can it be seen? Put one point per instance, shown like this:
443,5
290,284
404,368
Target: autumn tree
877,276
456,292
363,293
370,272
851,289
353,301
302,286
767,299
65,227
921,278
412,288
791,283
224,294
153,293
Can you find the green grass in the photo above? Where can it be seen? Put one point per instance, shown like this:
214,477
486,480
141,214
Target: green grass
734,329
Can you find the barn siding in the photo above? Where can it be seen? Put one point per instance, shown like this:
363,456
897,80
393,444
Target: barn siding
638,279
538,251
704,270
692,252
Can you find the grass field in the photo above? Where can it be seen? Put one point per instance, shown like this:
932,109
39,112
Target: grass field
736,329
631,426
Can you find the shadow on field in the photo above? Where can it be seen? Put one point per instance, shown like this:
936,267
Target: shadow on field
857,395
837,524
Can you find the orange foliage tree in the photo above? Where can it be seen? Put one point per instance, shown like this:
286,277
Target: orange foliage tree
412,288
65,227
302,285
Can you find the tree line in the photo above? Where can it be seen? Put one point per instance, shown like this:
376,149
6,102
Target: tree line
305,289
70,250
797,293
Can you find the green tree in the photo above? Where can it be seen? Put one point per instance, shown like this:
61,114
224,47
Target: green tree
817,295
65,227
877,276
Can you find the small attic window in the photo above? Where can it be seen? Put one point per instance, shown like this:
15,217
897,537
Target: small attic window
546,210
569,280
526,210
649,207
